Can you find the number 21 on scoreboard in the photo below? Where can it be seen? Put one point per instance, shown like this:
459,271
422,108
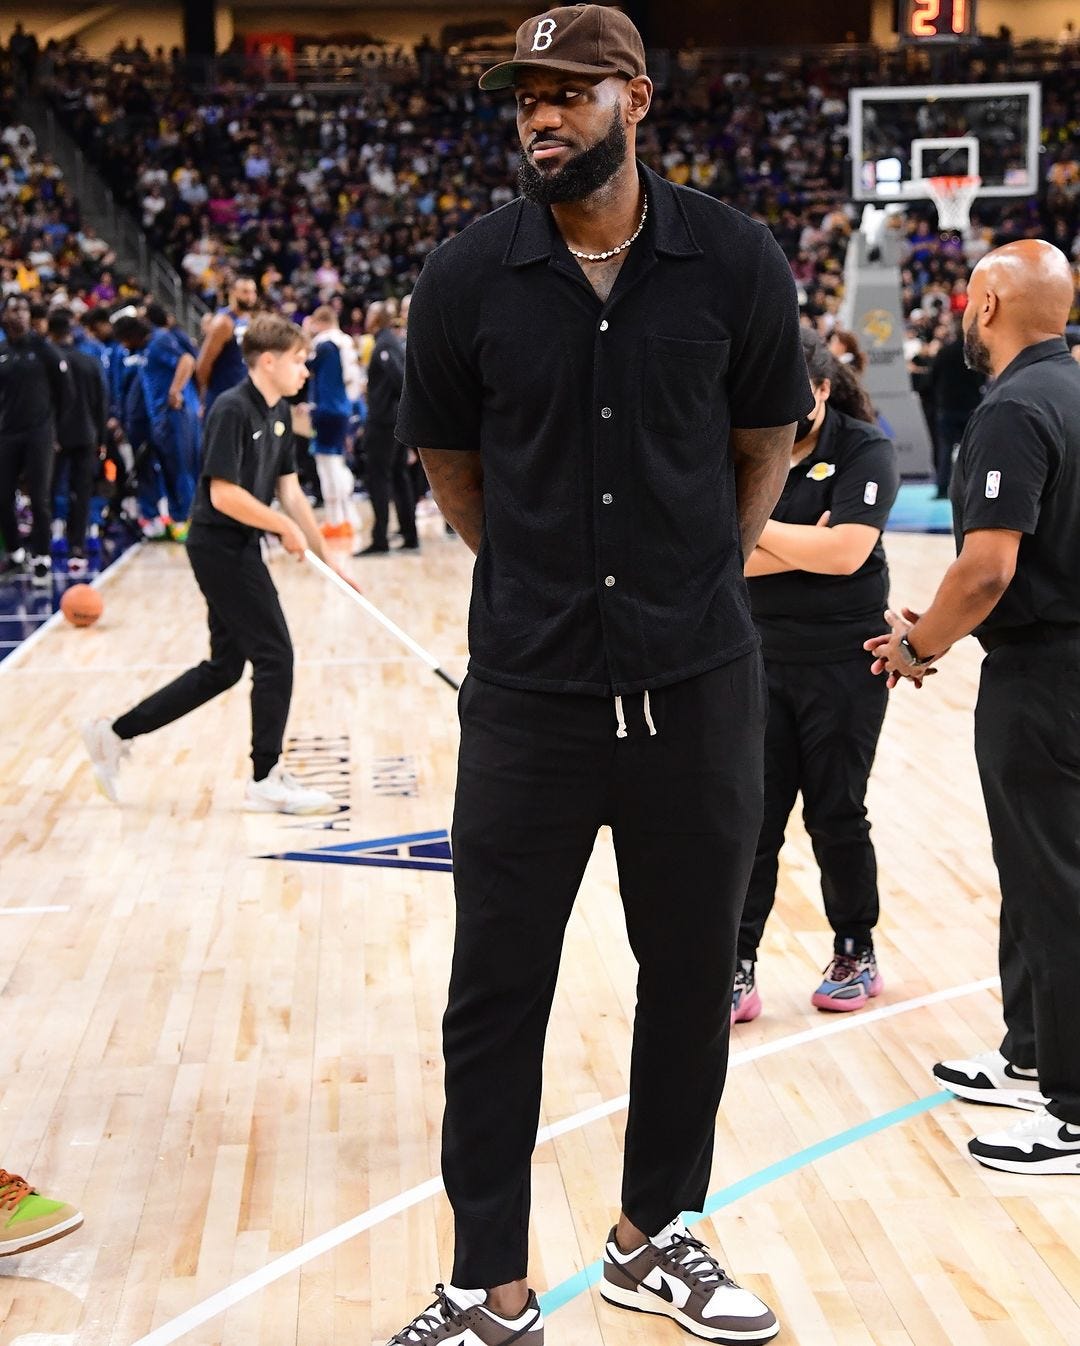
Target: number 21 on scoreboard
926,19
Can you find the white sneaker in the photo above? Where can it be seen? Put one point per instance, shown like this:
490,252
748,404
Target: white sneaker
107,751
1038,1144
989,1078
281,792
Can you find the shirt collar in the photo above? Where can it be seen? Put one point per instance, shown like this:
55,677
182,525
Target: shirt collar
261,405
1031,355
825,445
534,233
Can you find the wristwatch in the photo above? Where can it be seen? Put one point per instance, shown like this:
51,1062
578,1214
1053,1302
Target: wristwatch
912,657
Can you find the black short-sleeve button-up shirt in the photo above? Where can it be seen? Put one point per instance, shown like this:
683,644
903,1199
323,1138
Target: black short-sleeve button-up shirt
611,560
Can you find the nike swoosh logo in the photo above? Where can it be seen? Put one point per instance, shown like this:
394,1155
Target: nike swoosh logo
665,1291
1014,1074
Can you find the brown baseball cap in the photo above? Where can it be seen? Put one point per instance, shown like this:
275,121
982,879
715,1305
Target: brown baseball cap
575,40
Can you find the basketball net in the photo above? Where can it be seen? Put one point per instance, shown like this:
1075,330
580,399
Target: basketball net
953,197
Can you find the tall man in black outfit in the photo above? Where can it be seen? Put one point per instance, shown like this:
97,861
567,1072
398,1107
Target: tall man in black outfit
603,380
249,459
384,455
955,391
1016,584
35,389
80,434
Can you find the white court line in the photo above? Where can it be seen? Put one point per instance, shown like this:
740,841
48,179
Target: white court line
31,640
25,616
232,1295
30,911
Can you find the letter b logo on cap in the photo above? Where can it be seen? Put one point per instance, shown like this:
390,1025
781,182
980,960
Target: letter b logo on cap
545,30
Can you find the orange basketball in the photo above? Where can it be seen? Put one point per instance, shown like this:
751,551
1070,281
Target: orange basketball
82,605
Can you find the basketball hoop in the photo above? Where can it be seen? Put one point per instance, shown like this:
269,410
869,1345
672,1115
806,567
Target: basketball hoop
953,197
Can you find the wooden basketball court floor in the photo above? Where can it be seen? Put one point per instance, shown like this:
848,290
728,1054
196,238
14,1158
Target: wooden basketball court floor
231,1063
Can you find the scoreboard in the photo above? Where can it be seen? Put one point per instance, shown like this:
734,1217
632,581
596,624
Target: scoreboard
926,21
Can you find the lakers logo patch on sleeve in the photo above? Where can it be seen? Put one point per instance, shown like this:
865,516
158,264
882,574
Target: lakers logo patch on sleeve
993,485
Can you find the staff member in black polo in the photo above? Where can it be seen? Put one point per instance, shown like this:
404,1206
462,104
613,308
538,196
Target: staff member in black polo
1016,584
249,458
384,455
818,584
80,434
35,391
603,380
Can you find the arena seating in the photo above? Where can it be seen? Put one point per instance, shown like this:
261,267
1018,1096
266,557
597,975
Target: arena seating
342,192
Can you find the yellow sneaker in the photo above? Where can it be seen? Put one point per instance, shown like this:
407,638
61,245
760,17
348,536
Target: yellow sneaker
29,1220
178,532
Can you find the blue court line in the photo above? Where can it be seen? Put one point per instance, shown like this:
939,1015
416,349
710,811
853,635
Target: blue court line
567,1290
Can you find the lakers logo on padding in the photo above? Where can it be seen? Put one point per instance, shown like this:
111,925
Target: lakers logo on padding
878,325
821,471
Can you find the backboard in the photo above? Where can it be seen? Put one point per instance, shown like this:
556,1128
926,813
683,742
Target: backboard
901,136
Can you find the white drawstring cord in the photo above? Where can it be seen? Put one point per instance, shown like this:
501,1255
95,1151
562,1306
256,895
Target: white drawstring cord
621,718
648,717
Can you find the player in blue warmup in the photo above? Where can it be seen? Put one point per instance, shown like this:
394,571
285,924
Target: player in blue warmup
336,385
172,410
220,364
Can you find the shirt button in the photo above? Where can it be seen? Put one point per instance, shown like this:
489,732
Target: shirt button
606,412
607,497
604,325
610,581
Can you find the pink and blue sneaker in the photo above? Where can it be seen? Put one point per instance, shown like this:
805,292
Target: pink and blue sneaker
745,1001
851,980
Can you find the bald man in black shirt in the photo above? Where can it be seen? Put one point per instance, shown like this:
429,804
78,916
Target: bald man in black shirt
1016,584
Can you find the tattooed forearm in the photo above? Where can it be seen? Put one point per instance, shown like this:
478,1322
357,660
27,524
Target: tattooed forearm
457,483
762,461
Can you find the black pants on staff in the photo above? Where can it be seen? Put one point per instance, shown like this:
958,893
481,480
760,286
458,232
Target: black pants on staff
80,462
247,625
1027,743
29,459
822,734
386,460
538,775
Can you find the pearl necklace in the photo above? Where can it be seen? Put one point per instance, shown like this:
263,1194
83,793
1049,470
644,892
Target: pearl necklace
612,252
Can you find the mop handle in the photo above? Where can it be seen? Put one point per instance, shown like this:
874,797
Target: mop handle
381,618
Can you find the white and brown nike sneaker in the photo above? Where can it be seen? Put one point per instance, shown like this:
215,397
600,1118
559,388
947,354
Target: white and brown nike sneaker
461,1318
674,1274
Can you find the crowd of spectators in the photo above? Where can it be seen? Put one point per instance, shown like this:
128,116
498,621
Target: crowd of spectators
338,197
47,252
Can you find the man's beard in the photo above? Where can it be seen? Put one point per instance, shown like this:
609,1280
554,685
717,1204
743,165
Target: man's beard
976,352
584,174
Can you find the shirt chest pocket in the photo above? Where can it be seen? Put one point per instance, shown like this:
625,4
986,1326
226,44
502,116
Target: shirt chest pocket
681,383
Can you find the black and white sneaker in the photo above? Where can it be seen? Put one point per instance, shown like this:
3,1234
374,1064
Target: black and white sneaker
675,1275
461,1318
989,1078
14,563
1039,1144
41,570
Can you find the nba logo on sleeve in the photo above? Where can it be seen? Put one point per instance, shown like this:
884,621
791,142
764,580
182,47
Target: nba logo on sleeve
993,485
869,495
